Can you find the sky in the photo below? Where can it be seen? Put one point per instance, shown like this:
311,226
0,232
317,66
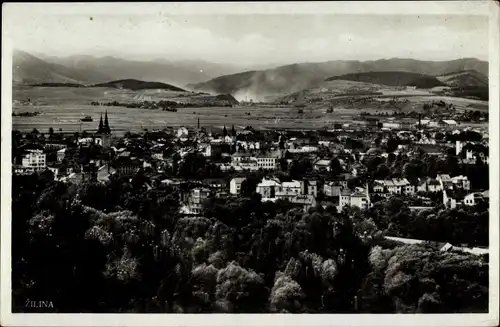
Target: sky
255,38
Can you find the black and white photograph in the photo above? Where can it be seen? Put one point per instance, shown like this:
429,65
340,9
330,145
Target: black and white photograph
183,162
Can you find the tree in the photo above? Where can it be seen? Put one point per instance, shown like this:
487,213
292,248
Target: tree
286,295
193,166
335,167
392,144
249,185
240,290
414,170
299,168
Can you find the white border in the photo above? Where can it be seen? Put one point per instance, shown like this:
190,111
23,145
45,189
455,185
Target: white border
12,10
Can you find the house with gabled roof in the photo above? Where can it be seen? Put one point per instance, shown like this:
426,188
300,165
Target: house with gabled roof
360,198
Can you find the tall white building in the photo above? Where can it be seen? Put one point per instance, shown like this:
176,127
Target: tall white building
34,160
235,185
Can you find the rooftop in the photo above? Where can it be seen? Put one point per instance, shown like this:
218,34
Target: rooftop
322,162
268,182
241,154
291,184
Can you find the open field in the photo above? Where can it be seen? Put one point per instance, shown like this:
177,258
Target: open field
67,117
63,107
84,95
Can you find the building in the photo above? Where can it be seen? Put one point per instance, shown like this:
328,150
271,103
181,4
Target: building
433,185
322,164
205,149
34,161
394,186
216,149
235,185
239,157
268,188
244,161
218,185
268,160
436,123
461,182
371,122
103,135
182,132
61,154
303,149
344,199
360,199
127,166
20,170
291,188
429,185
391,125
54,169
332,189
309,187
448,200
457,182
459,145
104,173
157,155
474,198
358,169
450,123
342,180
307,201
51,146
195,199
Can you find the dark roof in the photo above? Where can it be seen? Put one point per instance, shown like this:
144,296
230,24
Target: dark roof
127,162
432,181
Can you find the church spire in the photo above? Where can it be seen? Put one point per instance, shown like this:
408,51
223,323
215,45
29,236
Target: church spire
106,123
198,122
224,131
233,131
99,130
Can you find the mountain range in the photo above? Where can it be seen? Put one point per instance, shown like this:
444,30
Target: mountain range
28,69
257,84
293,78
84,69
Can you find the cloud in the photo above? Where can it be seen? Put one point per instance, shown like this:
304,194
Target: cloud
159,36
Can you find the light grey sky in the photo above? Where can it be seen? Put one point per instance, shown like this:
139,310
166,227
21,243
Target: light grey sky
256,38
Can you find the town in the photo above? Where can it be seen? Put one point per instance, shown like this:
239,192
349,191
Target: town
292,164
430,164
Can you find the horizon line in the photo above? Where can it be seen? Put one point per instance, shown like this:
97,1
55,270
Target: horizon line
156,59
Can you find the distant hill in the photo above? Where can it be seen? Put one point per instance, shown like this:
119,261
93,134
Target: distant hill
421,81
58,85
226,97
28,69
293,78
467,78
160,70
133,84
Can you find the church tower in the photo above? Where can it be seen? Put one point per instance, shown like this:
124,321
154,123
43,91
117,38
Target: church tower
102,137
233,134
101,126
106,128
